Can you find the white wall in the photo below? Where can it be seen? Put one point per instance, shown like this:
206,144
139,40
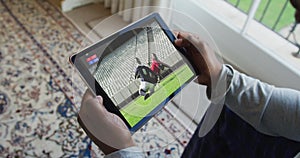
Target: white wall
243,52
68,5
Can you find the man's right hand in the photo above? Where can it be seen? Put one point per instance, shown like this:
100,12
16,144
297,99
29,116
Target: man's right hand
202,57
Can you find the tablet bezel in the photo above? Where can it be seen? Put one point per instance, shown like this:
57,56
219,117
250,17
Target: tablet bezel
96,89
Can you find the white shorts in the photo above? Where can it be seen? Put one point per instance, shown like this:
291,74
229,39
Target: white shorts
145,87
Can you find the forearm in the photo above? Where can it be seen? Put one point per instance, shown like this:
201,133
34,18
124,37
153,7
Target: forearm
273,111
282,115
248,98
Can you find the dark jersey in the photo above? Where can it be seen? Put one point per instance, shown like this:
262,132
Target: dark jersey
145,74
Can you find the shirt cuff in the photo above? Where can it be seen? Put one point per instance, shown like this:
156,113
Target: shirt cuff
222,86
130,152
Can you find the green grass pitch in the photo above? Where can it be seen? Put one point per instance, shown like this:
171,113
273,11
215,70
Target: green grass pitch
139,108
271,14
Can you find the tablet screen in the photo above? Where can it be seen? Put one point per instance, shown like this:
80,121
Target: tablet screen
139,69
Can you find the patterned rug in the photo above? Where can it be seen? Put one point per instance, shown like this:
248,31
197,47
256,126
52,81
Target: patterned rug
38,98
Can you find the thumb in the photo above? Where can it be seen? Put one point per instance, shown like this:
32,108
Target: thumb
100,99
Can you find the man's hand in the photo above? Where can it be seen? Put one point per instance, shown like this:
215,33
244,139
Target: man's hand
206,65
107,130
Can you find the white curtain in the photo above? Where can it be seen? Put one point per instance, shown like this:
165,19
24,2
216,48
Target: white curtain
121,7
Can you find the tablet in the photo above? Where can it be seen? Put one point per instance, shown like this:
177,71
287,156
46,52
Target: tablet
136,70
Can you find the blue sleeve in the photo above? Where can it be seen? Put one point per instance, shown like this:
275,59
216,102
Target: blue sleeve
273,111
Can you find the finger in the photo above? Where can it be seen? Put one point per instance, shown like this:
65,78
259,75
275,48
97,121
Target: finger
175,33
93,106
87,95
182,43
187,40
100,99
184,35
188,37
91,100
